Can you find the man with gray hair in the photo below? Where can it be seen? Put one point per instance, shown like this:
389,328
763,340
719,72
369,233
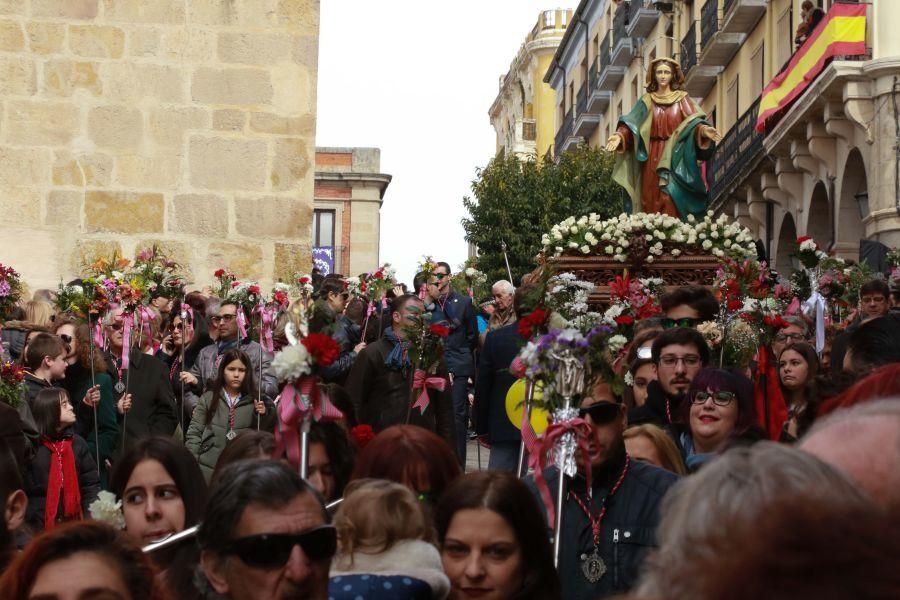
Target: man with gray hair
265,534
796,331
504,313
863,441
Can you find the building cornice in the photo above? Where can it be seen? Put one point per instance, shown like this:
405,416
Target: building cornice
379,180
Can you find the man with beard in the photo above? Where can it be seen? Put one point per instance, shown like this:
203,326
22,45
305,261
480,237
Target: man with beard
678,354
608,531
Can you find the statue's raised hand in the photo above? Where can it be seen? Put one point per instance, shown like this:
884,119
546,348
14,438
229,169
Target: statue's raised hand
614,142
711,133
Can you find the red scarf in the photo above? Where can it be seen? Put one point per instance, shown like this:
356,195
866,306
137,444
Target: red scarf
63,480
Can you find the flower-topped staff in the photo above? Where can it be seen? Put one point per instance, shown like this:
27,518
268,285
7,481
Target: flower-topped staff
159,272
425,270
632,300
10,291
425,350
567,296
302,401
374,288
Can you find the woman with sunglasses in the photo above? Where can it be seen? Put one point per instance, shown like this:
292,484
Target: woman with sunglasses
183,338
94,386
163,493
720,412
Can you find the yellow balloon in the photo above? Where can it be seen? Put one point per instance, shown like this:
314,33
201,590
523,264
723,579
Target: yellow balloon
515,404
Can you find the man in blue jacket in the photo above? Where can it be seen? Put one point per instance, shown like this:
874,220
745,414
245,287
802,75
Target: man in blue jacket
455,310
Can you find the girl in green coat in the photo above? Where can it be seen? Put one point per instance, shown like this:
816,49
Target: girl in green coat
231,406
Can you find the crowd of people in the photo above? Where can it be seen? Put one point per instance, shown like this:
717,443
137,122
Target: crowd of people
144,464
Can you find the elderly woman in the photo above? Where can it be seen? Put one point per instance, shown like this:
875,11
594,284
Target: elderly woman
504,313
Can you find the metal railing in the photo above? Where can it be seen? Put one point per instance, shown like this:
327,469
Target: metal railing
619,21
529,130
605,50
565,130
592,74
581,99
689,49
635,6
709,22
727,5
740,146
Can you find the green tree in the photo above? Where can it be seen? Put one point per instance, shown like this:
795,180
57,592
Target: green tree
516,202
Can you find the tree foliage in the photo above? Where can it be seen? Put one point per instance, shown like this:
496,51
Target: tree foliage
516,202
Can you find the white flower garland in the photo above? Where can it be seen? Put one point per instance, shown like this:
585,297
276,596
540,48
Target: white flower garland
591,235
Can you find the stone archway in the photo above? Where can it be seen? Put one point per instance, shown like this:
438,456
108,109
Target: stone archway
818,224
787,242
853,206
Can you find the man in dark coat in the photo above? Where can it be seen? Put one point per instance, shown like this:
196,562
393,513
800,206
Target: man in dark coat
145,383
623,507
455,310
491,386
379,382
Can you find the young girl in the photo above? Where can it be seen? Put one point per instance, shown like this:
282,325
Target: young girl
231,406
62,479
384,548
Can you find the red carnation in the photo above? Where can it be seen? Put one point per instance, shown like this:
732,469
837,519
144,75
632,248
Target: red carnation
530,321
439,330
303,280
776,322
803,238
281,298
362,435
219,273
625,320
747,317
323,348
254,289
378,275
362,286
735,304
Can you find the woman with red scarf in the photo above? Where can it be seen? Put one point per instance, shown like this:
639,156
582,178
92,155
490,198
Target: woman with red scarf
62,480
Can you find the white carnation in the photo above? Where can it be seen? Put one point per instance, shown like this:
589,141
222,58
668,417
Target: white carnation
291,363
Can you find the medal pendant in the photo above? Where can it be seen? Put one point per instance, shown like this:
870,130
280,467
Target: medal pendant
593,566
230,435
119,387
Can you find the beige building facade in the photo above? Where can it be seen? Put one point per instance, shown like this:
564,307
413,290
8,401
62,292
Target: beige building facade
188,123
522,114
346,226
828,166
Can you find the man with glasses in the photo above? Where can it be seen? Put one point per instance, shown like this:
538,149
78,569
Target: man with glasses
607,533
796,331
688,307
379,381
455,310
206,367
678,354
266,535
873,303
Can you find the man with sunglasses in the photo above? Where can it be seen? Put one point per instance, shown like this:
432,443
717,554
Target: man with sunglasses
688,306
455,310
205,369
678,354
608,530
266,535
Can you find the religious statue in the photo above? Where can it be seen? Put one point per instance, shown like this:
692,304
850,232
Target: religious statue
659,144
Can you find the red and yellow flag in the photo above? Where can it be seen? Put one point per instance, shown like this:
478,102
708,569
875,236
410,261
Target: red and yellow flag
841,32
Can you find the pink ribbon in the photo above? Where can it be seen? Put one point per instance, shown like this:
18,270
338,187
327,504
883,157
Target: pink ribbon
145,315
794,307
422,292
242,322
517,368
297,401
266,318
384,302
421,381
536,459
127,324
99,340
371,310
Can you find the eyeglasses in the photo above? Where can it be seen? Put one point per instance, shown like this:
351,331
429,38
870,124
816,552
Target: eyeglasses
116,326
176,326
720,398
783,337
601,413
272,550
668,323
223,318
440,276
65,338
689,360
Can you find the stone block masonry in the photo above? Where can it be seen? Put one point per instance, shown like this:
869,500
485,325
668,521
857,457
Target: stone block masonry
188,123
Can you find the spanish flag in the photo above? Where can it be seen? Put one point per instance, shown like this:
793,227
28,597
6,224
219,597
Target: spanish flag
841,32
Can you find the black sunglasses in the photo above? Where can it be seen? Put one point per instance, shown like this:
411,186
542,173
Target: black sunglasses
601,413
272,550
668,323
440,276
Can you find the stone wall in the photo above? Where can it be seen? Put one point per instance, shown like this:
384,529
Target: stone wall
185,122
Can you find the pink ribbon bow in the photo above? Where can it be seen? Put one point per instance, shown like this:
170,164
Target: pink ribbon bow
99,340
266,318
242,322
300,401
536,460
145,316
421,381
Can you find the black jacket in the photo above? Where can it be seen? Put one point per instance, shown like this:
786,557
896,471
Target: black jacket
381,396
347,334
37,477
493,382
627,533
153,404
654,409
11,432
458,314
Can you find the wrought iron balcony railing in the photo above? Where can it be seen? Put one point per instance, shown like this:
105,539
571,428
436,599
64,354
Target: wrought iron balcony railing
689,49
709,22
740,147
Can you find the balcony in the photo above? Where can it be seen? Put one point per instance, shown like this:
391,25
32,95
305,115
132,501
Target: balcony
529,130
598,100
609,75
689,49
622,45
736,156
586,121
717,48
741,16
642,17
564,138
